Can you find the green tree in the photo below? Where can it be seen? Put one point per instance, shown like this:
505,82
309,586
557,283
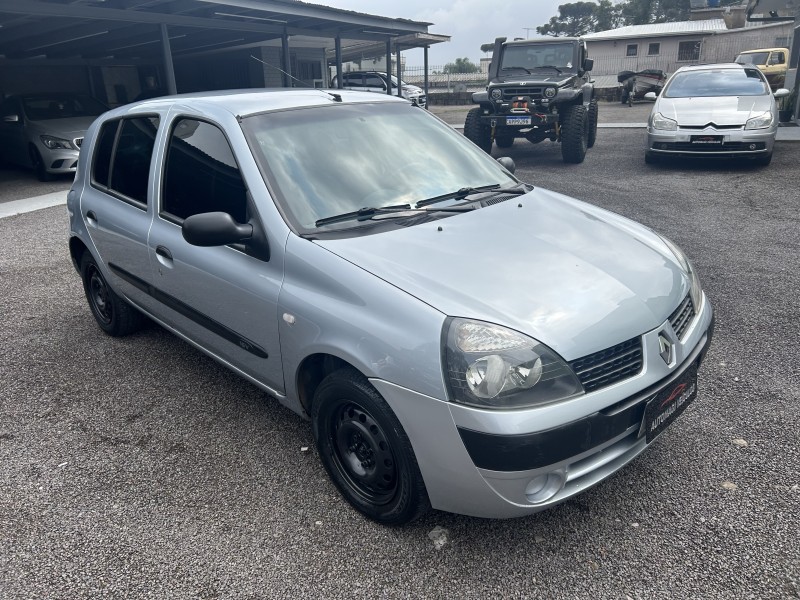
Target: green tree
461,65
574,19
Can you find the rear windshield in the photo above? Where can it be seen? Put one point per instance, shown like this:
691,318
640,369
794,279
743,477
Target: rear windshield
717,82
44,108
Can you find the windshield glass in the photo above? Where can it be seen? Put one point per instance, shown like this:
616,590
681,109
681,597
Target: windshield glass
325,161
753,58
537,55
44,108
717,82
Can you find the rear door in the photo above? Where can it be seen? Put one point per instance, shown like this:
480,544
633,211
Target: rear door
222,298
116,203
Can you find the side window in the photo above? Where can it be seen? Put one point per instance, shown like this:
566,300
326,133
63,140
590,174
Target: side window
122,157
374,81
778,58
201,174
353,81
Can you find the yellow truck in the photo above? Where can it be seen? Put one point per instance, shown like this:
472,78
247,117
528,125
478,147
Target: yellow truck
770,61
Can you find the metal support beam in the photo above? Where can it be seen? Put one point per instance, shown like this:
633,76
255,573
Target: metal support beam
427,97
287,64
399,73
339,82
389,66
169,70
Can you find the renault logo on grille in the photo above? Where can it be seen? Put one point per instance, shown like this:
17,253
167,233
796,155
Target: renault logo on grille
665,348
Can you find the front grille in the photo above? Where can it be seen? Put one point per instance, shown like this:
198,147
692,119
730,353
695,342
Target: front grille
534,93
712,125
682,317
710,149
609,366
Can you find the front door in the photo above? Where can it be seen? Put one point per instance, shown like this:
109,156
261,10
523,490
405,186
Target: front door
220,297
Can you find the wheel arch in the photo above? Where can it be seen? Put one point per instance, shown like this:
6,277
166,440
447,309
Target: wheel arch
76,251
312,370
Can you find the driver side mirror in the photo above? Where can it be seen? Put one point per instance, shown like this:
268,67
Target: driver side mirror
11,119
588,64
214,229
650,96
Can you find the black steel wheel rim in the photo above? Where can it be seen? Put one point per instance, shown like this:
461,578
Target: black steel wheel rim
362,454
99,295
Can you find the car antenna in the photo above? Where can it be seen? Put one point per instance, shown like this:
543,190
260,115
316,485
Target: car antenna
336,97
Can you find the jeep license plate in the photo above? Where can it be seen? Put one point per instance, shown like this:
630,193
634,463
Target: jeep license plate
518,120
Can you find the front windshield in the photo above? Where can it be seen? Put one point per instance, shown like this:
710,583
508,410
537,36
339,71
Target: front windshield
753,58
46,107
537,55
330,160
717,82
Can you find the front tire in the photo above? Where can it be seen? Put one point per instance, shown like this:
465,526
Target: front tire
365,451
764,160
503,139
39,166
574,134
476,131
114,316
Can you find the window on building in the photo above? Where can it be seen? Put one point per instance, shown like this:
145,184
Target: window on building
632,50
689,51
653,49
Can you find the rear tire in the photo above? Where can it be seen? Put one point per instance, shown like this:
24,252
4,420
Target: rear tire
365,451
574,134
593,114
477,132
624,96
114,316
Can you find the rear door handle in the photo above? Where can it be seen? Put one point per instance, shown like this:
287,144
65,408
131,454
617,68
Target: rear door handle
91,218
164,256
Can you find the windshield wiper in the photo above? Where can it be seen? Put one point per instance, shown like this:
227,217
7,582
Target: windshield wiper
548,67
402,210
511,68
520,188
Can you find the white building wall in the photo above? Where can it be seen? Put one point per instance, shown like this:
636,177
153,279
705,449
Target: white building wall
610,55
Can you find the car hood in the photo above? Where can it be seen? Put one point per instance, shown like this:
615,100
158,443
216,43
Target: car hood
70,128
724,110
573,276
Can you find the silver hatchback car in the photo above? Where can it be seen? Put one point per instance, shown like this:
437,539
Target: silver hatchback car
458,339
724,110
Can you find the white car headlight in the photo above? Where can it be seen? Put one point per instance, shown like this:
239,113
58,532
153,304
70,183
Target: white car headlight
695,289
490,366
55,143
762,121
662,123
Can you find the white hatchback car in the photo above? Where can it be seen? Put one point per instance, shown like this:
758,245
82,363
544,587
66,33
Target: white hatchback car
725,110
375,81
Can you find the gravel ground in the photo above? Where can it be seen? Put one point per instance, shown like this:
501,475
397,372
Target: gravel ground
139,468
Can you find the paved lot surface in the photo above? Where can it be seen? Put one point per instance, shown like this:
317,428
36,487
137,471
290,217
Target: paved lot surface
138,468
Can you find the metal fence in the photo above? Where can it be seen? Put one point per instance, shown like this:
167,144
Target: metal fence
440,81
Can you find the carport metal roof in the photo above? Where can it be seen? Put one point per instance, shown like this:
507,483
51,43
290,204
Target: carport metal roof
133,30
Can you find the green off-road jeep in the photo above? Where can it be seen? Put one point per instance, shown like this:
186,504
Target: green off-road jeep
538,90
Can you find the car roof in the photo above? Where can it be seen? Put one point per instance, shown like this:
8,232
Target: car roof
713,66
248,102
764,50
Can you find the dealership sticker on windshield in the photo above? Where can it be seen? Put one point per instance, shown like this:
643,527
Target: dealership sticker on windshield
518,120
670,402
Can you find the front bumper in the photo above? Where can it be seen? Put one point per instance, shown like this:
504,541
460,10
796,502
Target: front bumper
480,462
60,160
731,142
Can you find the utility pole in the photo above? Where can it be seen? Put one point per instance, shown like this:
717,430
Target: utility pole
527,31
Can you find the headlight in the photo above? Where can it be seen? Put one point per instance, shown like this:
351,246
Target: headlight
695,290
662,123
490,366
762,121
550,92
55,143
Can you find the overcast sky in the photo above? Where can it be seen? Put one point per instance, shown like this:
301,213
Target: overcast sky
470,23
